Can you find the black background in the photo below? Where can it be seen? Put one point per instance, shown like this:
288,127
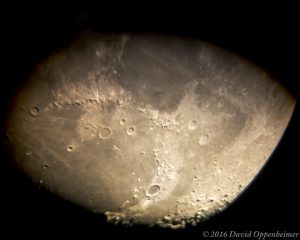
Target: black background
265,35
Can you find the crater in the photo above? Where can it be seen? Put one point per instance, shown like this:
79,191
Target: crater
105,132
153,190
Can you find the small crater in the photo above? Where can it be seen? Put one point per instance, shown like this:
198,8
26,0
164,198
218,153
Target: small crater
141,109
167,219
104,132
152,190
203,139
46,166
131,131
34,111
122,121
244,91
192,124
70,148
28,153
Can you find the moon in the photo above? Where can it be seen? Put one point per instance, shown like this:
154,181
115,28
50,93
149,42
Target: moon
147,129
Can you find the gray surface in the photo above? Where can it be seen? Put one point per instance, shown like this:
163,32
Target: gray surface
148,129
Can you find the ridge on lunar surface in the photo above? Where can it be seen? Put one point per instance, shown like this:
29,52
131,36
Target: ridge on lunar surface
147,129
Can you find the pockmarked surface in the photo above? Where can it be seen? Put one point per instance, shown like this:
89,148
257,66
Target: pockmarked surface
147,129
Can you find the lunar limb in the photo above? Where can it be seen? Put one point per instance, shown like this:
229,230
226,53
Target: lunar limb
147,129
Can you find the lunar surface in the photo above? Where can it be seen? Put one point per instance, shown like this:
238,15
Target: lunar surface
147,129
